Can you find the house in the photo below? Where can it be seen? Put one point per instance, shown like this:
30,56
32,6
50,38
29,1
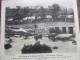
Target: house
48,16
29,18
11,19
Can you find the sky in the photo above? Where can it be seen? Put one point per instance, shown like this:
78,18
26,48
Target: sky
44,3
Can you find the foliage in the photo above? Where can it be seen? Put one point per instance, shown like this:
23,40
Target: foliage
53,30
7,46
36,48
55,10
39,12
38,37
55,47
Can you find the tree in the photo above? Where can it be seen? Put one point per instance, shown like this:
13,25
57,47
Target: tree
55,9
26,11
70,11
42,11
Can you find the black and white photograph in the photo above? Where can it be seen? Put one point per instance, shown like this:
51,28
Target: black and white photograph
45,27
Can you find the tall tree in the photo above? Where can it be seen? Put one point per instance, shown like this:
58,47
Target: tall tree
55,9
42,11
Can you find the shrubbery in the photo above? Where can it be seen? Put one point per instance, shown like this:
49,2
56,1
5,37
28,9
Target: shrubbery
7,46
52,35
36,48
52,30
36,37
63,39
55,47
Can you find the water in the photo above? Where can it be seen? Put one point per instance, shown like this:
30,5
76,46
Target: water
18,43
46,25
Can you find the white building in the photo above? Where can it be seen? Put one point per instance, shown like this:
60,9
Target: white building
48,16
29,18
65,27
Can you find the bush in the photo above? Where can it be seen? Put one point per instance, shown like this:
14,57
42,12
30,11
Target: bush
52,30
52,35
36,37
36,48
7,46
55,47
63,39
74,42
